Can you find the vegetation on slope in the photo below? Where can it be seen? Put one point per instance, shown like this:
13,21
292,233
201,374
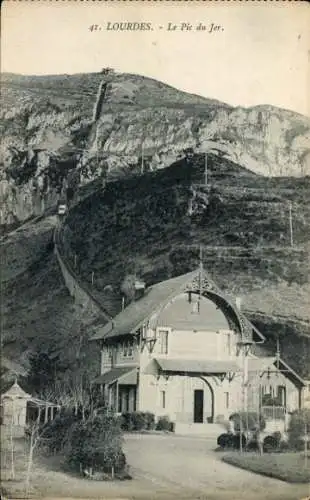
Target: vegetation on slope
42,328
241,220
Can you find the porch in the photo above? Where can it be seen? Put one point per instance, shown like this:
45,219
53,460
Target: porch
119,387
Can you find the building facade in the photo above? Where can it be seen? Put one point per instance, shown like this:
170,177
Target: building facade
185,351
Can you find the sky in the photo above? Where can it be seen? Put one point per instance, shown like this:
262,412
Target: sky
259,55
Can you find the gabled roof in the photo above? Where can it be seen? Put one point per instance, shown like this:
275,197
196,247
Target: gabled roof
156,297
15,392
258,366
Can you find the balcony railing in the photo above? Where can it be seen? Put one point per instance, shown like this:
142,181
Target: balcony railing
274,412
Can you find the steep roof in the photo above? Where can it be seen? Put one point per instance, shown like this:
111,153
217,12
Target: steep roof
135,313
15,392
154,298
257,366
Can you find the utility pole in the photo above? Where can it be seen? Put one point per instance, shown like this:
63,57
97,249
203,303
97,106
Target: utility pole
142,159
278,352
200,275
244,404
206,169
291,223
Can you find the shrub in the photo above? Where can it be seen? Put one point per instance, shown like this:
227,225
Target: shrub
225,440
97,444
270,444
56,433
126,422
236,441
164,424
150,420
248,420
137,421
298,426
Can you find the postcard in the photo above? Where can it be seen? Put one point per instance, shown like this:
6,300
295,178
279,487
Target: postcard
155,237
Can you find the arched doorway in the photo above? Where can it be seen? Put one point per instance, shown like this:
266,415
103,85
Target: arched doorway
202,396
210,417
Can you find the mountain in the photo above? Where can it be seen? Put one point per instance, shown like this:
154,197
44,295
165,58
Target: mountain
71,129
82,136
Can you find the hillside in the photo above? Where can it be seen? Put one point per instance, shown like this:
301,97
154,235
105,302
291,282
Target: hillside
82,135
38,317
60,130
240,220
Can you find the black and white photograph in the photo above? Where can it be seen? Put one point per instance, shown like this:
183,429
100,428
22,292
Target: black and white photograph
155,250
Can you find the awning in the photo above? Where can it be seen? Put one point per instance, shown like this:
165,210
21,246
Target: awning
124,375
197,366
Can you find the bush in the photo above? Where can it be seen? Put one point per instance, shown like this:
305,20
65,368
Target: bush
56,433
236,441
164,424
298,426
270,444
137,421
97,444
150,420
225,441
248,420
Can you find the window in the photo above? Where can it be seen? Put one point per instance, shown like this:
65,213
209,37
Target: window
128,349
163,399
163,338
125,349
226,394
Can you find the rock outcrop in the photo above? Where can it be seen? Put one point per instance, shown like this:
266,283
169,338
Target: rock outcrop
95,125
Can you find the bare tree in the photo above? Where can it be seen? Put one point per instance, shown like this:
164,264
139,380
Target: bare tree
35,436
79,389
12,441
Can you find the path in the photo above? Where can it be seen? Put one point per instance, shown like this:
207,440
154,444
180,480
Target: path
188,467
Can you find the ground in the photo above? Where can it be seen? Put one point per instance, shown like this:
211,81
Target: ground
163,467
292,466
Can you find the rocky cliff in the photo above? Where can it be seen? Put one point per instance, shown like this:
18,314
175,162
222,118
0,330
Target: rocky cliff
60,131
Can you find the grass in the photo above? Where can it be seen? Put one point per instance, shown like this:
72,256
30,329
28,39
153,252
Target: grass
290,467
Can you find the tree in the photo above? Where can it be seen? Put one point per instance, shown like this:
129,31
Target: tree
35,433
41,373
78,387
96,444
299,427
128,287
